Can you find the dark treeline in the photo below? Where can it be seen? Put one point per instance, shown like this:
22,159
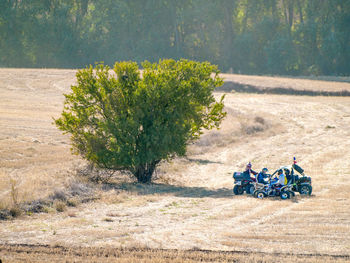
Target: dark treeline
296,37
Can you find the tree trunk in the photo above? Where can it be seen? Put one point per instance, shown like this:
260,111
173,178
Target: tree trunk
177,20
300,12
288,13
228,9
245,19
274,12
144,172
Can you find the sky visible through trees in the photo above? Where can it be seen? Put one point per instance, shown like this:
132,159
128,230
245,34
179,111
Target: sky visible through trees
286,37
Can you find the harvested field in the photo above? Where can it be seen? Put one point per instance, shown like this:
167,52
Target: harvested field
190,206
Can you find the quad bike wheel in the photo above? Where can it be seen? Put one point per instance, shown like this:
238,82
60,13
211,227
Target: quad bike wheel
259,194
238,190
285,195
305,189
250,189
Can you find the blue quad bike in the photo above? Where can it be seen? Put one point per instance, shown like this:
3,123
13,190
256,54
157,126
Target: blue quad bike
269,190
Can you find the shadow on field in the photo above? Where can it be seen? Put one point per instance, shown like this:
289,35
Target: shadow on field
245,88
166,189
202,161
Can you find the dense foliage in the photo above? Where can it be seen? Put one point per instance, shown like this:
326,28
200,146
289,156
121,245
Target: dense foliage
132,123
247,36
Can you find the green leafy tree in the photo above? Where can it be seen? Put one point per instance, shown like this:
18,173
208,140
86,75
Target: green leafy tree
123,121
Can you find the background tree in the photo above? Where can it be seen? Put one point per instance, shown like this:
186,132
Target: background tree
132,123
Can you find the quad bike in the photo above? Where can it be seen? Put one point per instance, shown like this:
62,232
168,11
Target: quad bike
243,182
301,184
265,190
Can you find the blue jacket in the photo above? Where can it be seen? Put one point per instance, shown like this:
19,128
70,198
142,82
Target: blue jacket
260,178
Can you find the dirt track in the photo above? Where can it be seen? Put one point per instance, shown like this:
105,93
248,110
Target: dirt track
191,206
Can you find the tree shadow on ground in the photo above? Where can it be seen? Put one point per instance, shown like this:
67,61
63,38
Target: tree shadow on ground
202,161
166,189
246,88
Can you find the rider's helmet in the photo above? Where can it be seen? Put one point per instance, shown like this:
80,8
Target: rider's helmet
265,170
249,166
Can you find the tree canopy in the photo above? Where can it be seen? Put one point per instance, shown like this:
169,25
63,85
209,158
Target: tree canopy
129,122
297,37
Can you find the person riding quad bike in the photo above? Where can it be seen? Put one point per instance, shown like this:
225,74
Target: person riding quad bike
244,181
281,178
262,176
278,181
249,170
262,179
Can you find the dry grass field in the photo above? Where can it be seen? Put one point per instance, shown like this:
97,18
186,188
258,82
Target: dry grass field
190,207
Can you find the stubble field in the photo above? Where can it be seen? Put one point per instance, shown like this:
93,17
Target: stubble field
190,206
